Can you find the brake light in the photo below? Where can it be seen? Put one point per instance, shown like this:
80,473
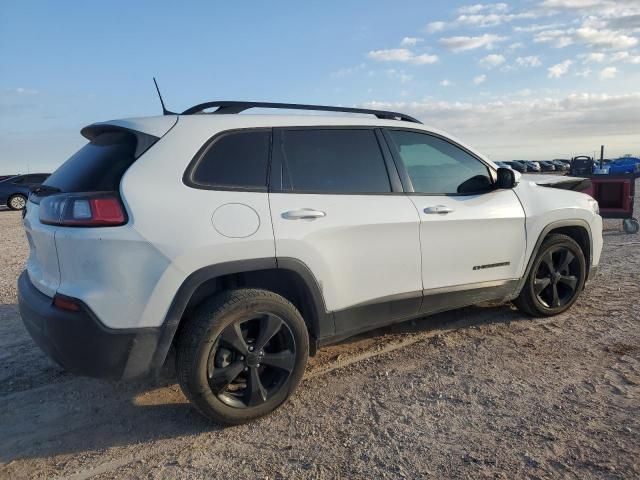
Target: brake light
82,210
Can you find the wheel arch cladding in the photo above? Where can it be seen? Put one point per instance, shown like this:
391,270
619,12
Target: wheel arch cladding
577,229
289,278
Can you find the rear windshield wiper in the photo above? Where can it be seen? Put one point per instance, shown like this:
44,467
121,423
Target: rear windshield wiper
44,189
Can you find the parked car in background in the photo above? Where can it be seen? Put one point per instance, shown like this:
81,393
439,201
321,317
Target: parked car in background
532,166
547,166
560,165
517,166
624,165
503,164
15,189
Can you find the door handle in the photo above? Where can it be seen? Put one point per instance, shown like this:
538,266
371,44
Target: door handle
438,209
303,214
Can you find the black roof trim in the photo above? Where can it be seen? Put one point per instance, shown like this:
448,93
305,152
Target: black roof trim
227,107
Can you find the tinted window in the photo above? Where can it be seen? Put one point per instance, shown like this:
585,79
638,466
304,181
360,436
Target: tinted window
333,161
237,159
98,166
437,166
34,179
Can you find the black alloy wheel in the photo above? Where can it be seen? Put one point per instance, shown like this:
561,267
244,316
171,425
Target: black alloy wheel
556,280
250,360
241,354
556,277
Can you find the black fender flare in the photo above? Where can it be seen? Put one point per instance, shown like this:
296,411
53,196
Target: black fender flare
321,324
577,222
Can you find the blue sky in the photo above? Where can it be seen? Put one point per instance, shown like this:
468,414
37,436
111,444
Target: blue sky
525,79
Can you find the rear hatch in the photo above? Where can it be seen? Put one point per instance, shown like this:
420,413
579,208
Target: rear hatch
96,169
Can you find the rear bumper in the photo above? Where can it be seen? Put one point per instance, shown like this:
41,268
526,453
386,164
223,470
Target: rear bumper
80,343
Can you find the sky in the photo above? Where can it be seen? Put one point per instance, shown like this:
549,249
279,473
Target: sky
529,79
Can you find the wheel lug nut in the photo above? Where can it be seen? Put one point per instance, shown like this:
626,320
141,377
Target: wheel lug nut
241,357
251,349
246,369
257,365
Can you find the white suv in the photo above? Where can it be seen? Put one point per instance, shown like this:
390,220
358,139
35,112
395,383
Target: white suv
247,241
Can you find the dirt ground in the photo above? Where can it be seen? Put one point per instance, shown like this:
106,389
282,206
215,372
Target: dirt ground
479,392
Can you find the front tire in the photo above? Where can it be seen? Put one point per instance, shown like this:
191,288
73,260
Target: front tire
241,355
556,278
17,202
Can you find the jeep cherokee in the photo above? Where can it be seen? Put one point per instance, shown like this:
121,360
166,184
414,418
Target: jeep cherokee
245,242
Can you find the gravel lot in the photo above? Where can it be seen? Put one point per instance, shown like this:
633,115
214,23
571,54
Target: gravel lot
479,392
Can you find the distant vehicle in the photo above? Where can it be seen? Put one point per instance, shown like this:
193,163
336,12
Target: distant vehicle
517,166
547,166
503,164
624,165
581,165
532,166
560,165
15,189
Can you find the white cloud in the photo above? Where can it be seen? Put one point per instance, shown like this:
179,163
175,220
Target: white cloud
479,79
604,38
492,61
445,83
536,28
535,126
602,57
608,73
583,73
479,7
558,38
597,57
559,69
400,75
410,41
491,19
530,61
516,46
434,27
21,91
461,43
402,55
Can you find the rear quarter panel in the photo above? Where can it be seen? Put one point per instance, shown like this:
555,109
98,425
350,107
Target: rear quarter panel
177,219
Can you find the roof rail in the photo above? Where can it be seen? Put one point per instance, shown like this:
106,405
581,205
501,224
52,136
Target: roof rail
227,107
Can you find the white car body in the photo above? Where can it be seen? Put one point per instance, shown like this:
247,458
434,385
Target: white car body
366,250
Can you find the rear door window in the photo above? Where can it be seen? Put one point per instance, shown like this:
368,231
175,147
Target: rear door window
233,160
332,161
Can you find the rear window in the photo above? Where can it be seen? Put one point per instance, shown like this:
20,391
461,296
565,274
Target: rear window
233,160
98,166
333,161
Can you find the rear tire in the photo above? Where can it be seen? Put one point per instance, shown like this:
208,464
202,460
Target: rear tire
17,202
556,278
241,355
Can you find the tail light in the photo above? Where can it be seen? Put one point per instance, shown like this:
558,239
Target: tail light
83,210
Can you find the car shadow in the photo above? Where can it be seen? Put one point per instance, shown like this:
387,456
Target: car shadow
46,411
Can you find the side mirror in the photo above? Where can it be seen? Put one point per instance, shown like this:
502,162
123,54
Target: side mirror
507,178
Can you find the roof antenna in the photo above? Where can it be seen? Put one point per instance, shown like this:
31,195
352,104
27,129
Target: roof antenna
164,110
